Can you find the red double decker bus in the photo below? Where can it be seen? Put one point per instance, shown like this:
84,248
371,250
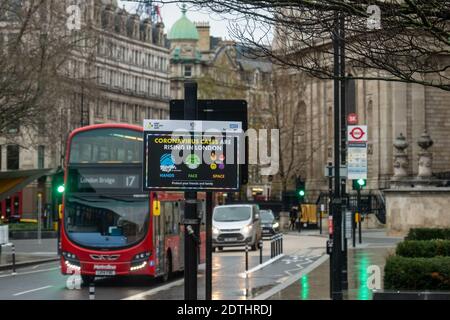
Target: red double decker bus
110,227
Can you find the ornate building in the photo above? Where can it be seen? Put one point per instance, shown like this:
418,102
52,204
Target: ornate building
387,108
124,79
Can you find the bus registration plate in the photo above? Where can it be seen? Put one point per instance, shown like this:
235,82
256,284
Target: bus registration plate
105,272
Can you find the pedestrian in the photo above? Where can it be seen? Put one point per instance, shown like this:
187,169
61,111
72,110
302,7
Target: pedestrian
293,217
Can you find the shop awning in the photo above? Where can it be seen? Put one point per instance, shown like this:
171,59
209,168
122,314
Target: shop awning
14,181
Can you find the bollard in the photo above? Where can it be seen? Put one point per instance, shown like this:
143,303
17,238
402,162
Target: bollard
260,251
246,256
281,241
276,246
13,259
272,247
91,291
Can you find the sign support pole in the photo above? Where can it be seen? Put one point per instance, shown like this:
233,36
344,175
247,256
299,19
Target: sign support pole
191,223
208,271
336,254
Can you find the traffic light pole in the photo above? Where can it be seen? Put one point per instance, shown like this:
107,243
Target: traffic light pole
336,254
343,113
358,205
191,221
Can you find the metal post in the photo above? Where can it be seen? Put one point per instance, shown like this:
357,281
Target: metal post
260,251
358,205
271,247
355,214
13,259
343,113
190,215
281,242
208,270
320,219
336,263
39,216
246,257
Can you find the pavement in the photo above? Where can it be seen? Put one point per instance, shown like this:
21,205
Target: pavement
375,248
29,252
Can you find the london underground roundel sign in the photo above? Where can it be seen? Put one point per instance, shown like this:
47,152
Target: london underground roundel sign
357,133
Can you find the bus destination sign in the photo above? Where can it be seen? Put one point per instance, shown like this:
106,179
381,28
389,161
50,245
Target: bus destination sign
192,155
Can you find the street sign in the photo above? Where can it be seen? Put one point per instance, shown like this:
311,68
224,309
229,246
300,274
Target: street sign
348,224
357,161
192,155
352,119
357,152
356,134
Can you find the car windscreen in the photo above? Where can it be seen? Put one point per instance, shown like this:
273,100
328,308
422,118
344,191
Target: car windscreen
229,214
266,216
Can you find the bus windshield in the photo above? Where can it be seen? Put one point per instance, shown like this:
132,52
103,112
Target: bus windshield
106,222
106,146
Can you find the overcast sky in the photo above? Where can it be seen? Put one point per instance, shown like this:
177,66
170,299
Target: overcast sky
171,13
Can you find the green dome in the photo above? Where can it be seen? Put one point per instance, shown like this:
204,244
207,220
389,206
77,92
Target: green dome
183,29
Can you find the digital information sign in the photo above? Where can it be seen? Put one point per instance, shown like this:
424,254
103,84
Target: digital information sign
192,155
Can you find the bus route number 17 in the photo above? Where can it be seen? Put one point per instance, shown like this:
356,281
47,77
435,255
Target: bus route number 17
130,181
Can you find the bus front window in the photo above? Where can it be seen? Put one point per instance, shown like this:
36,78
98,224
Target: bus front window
106,222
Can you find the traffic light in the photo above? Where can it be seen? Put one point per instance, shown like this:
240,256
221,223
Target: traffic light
300,190
61,188
359,184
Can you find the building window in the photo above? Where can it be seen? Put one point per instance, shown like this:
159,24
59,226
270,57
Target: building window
124,112
188,71
136,113
41,157
12,157
111,110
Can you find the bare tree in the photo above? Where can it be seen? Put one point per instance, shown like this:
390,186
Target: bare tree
406,40
37,74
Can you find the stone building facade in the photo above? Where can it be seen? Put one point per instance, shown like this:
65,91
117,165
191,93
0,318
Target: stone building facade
127,81
388,109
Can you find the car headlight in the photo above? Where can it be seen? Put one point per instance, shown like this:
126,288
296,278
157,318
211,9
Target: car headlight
215,231
247,229
275,225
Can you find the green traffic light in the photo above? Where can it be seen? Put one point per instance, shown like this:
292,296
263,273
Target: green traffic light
61,189
361,182
301,193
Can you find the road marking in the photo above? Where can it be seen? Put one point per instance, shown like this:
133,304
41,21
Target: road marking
291,279
32,290
140,296
258,267
28,272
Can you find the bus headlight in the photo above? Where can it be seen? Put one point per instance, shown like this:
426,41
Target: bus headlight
71,261
140,261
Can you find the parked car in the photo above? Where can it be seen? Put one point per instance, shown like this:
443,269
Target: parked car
269,223
236,225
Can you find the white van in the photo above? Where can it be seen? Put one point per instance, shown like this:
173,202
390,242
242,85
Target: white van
236,225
